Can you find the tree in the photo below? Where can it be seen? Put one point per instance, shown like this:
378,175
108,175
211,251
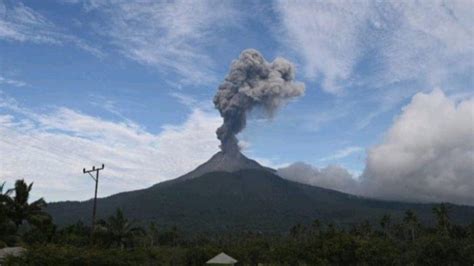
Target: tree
4,198
441,212
362,230
316,227
76,234
297,231
153,234
169,236
411,220
18,208
7,228
119,229
385,223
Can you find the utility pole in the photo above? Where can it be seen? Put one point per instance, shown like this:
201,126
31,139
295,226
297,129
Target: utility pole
96,179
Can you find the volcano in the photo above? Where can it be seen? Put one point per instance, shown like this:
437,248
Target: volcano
225,162
233,193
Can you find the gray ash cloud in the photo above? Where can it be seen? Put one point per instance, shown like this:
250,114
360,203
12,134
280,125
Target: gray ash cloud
253,82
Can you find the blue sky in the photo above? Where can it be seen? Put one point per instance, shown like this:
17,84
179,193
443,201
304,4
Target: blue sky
131,84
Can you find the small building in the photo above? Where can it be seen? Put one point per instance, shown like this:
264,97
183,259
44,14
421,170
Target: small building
222,259
12,251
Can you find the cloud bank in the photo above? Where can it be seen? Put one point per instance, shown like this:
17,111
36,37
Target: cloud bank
427,155
331,177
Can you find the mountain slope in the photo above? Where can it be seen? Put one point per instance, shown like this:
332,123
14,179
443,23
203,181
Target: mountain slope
225,162
252,199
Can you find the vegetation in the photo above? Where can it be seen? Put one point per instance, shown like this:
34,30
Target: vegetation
119,241
18,218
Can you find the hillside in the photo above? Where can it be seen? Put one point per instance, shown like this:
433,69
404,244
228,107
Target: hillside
243,200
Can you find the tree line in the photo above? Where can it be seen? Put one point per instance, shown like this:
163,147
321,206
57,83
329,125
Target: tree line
117,240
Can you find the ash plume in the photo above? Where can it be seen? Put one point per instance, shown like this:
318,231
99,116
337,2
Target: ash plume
252,82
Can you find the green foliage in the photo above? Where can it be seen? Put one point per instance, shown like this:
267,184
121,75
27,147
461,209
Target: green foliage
21,220
302,245
20,210
77,235
117,231
441,212
119,241
377,251
411,222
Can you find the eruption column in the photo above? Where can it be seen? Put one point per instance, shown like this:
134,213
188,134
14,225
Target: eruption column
252,82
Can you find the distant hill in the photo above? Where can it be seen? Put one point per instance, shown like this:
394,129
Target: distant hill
252,199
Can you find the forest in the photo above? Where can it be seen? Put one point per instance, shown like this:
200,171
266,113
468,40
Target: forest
117,240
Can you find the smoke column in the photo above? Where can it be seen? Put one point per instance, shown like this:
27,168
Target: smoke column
252,82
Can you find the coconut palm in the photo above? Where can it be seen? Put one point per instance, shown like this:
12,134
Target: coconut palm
385,223
4,198
297,231
441,212
119,229
316,227
4,221
411,220
18,208
153,234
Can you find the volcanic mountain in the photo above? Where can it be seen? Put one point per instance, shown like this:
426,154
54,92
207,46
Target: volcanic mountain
225,162
233,193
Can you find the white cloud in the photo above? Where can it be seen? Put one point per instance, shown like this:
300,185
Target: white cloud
22,24
12,82
172,36
427,155
190,102
388,41
316,120
51,150
325,35
332,177
343,153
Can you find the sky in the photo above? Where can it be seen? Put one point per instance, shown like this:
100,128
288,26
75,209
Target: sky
388,109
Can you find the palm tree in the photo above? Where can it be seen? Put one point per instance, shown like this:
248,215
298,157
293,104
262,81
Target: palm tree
153,234
441,212
385,223
297,231
120,229
4,221
4,198
3,195
411,221
362,230
18,208
316,227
